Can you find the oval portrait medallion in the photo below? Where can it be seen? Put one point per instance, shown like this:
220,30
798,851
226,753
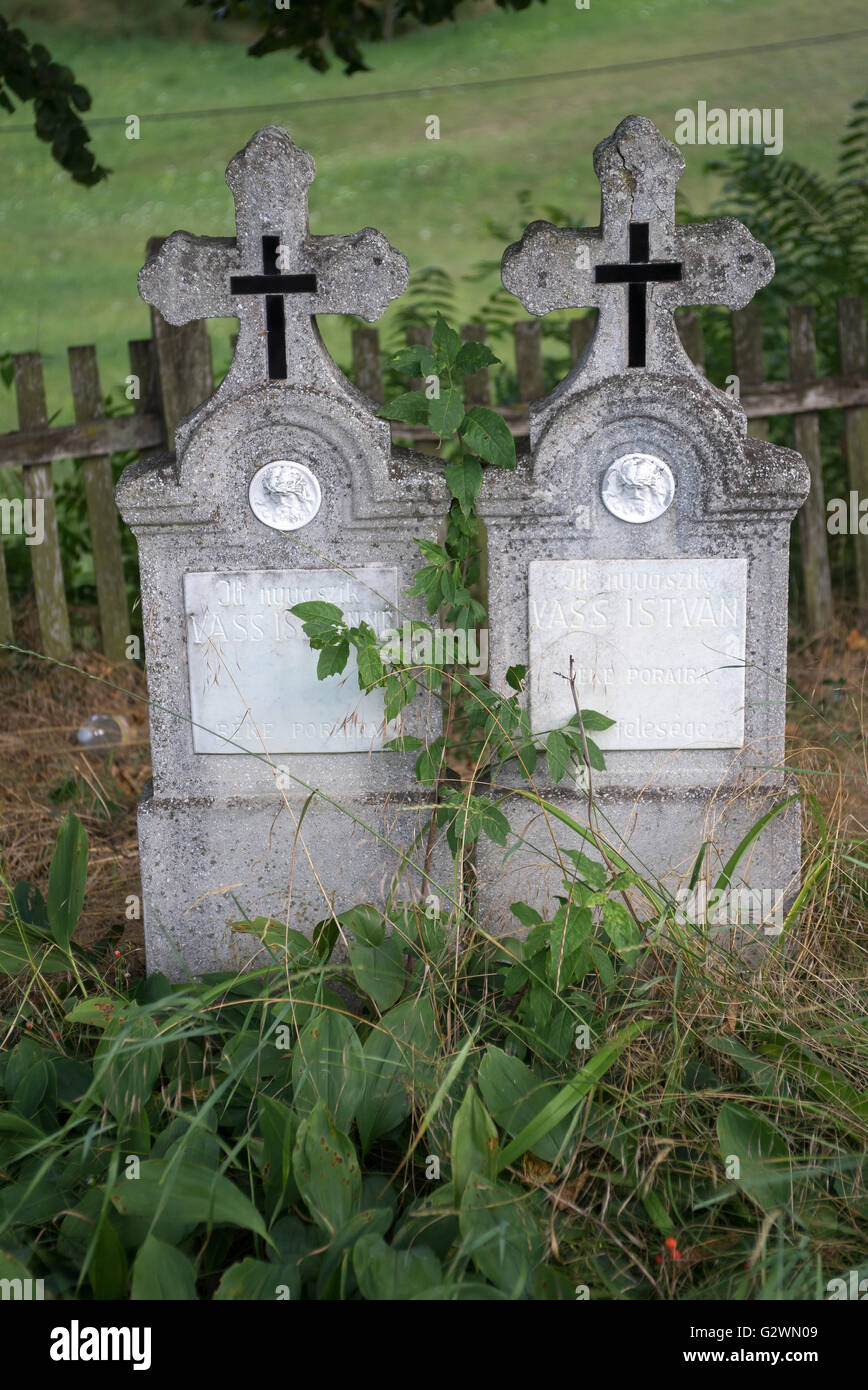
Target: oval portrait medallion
638,487
285,494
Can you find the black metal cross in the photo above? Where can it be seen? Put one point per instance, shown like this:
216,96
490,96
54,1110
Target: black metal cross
274,285
636,275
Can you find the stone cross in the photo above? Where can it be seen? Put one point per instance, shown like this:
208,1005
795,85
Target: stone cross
273,275
274,793
638,247
641,544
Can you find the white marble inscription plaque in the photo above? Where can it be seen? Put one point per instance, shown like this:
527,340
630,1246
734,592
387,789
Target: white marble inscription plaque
253,674
658,646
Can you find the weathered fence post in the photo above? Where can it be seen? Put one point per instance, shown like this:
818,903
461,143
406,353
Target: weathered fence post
417,334
105,538
38,486
6,632
812,517
143,366
854,361
528,359
367,363
689,326
747,358
580,333
477,386
183,354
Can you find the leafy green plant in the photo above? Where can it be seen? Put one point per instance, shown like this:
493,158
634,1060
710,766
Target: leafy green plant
442,1120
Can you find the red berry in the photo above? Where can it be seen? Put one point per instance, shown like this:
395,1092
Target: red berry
117,953
658,1259
671,1243
676,1254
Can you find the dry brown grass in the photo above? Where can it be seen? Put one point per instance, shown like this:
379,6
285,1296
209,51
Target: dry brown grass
44,772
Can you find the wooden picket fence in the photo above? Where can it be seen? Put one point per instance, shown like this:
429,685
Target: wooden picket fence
175,374
174,371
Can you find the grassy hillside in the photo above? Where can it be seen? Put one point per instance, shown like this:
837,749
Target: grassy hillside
70,254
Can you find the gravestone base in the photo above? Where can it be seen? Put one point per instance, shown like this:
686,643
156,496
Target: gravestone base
661,829
206,864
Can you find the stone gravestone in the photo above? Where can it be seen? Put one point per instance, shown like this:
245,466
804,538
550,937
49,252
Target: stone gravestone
645,535
283,488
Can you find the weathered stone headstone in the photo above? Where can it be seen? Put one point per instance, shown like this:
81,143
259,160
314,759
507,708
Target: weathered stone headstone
645,535
283,488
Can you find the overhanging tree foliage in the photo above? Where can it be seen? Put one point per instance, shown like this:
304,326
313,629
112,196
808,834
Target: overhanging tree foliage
309,27
29,73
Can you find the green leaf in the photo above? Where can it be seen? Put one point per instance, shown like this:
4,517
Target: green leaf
395,1062
558,755
659,1215
411,408
569,1096
430,761
591,870
290,947
593,721
472,357
416,359
370,1221
405,743
464,479
332,660
379,970
278,1127
474,1143
253,1280
365,922
515,677
446,410
499,1234
326,1170
495,825
96,1010
388,1274
327,1067
445,342
595,756
429,550
621,929
186,1193
127,1062
107,1268
317,610
487,434
66,879
370,665
762,1154
515,1096
400,690
161,1272
528,916
10,1268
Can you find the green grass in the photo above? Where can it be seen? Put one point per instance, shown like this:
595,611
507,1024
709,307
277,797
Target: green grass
71,254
